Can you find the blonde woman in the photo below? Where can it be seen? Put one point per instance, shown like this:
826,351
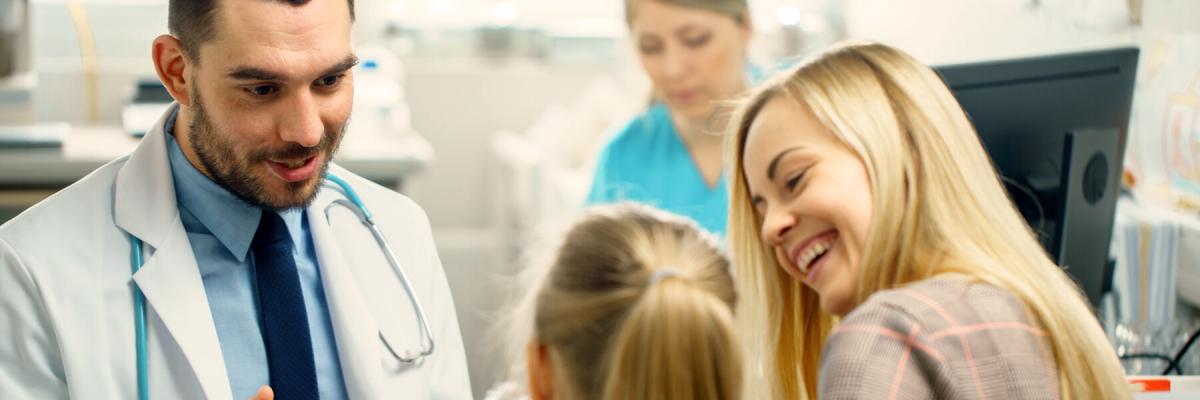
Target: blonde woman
862,194
636,304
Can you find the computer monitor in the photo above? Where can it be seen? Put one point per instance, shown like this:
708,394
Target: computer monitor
1055,128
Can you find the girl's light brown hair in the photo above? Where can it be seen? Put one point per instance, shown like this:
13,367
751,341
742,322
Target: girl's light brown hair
614,331
938,207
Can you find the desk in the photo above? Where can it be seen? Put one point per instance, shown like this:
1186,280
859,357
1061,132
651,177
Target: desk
30,175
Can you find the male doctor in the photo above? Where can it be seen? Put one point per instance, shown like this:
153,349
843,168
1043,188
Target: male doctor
249,280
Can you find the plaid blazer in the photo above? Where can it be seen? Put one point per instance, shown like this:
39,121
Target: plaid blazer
942,338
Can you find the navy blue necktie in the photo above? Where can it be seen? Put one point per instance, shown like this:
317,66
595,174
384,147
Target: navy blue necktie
281,302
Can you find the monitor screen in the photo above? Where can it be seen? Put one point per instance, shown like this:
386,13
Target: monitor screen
1055,129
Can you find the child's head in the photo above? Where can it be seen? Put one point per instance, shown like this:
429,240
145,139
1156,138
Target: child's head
637,304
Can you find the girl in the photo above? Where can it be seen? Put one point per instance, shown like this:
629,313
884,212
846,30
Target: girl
636,304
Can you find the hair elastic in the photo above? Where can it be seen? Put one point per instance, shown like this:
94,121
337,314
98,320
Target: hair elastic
662,273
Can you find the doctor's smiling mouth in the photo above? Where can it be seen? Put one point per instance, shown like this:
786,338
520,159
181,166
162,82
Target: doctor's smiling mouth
273,178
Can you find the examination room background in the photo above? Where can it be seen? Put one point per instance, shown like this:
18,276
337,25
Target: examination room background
516,96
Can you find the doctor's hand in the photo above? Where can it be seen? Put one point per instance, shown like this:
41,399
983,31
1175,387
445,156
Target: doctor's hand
264,393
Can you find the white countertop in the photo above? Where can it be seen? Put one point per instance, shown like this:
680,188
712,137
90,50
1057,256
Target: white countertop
85,148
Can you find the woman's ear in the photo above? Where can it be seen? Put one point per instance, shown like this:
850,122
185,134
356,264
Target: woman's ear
745,32
541,377
747,26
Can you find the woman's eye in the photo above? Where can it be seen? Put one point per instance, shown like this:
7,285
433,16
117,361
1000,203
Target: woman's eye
649,49
261,90
794,181
697,41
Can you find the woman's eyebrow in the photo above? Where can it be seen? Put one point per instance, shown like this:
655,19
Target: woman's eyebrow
775,161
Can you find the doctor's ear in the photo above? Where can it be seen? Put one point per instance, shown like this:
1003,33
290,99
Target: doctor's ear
541,378
173,67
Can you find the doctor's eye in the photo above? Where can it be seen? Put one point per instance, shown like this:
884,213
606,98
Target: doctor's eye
262,90
331,80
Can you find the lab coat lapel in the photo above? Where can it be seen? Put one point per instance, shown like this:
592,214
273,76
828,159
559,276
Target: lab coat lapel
174,290
145,207
355,330
144,196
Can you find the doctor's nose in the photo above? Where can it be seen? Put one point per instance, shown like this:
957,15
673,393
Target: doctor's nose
301,122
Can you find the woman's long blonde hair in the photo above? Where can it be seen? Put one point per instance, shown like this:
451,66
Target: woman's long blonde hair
613,330
938,208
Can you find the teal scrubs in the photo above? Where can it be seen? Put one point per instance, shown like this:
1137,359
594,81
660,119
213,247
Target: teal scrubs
647,162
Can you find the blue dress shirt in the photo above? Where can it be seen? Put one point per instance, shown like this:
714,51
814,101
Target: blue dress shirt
220,227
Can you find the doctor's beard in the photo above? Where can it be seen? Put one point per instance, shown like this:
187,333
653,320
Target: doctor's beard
236,172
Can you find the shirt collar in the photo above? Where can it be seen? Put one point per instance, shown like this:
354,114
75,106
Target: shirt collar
228,218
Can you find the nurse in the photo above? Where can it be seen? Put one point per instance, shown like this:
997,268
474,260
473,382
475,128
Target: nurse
694,52
229,211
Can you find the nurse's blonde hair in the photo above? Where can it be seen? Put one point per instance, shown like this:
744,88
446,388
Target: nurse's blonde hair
638,304
938,208
739,10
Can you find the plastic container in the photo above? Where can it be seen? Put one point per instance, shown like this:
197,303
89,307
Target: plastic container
376,99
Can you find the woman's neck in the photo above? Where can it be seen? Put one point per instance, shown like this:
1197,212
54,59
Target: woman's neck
697,132
709,129
703,144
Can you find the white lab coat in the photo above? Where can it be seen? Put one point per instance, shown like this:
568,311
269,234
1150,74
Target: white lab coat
66,303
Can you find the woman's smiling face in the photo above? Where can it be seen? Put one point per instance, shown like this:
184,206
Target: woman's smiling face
813,197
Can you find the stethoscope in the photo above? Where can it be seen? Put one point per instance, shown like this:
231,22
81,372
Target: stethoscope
351,202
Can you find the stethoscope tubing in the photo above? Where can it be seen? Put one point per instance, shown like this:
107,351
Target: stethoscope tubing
139,322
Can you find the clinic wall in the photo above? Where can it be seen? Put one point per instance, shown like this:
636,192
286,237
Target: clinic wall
122,50
458,105
952,31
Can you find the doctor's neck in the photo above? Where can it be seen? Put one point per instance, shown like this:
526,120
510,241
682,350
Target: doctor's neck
182,129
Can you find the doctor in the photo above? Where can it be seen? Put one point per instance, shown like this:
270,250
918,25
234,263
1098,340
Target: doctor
254,269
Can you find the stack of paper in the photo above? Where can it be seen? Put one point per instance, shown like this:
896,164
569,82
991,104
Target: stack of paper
1146,246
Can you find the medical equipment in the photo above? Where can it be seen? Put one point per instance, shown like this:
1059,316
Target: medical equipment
14,37
352,202
143,109
17,79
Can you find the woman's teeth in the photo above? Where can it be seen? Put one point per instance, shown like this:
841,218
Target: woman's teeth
811,254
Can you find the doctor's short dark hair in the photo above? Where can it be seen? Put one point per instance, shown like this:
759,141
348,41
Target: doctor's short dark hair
191,21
